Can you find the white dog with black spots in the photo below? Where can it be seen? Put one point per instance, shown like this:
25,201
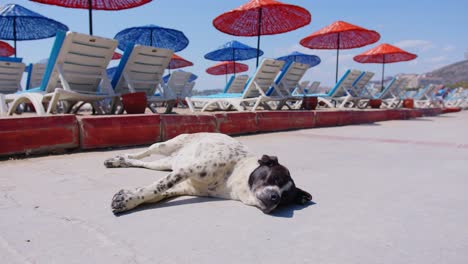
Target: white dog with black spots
209,165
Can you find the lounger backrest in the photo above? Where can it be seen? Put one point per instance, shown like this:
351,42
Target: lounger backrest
187,92
11,72
263,78
141,69
346,82
391,87
313,88
35,75
289,79
177,82
81,60
362,81
236,84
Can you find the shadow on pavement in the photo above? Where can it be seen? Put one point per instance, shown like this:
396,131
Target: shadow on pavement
288,211
284,211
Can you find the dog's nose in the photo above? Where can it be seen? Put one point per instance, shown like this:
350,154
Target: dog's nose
274,197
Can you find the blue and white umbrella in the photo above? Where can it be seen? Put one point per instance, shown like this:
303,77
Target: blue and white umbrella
295,56
233,51
19,23
154,36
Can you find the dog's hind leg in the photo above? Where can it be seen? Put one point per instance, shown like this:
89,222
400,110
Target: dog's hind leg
164,164
125,199
166,148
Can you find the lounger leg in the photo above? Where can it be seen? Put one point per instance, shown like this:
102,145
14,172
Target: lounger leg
190,104
35,99
3,106
170,105
53,102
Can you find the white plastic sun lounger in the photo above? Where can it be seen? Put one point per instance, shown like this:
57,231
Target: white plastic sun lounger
306,87
287,82
140,70
35,74
11,72
236,84
339,93
75,72
254,92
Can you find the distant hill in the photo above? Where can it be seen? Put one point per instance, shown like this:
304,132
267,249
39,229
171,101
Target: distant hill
453,73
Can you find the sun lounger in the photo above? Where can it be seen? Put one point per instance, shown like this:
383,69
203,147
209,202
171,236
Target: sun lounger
236,84
307,88
287,82
35,73
339,93
140,70
178,85
388,96
253,95
11,72
425,98
75,72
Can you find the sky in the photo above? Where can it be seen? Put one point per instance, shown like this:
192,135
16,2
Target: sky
434,30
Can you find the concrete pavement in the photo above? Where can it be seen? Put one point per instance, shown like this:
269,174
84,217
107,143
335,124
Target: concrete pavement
390,192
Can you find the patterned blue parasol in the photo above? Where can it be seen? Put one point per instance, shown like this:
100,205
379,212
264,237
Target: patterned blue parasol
295,56
19,23
233,51
152,35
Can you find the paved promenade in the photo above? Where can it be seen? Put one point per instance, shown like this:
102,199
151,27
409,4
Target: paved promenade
389,192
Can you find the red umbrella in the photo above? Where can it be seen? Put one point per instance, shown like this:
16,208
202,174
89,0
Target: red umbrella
262,17
340,35
384,53
227,67
6,50
96,5
116,56
178,62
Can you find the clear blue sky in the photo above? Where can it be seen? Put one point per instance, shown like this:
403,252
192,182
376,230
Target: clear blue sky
434,30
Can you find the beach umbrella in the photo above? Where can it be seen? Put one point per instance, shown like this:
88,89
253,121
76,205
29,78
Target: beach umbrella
384,53
178,62
116,56
233,51
95,5
311,60
340,35
18,23
6,50
262,17
227,67
154,36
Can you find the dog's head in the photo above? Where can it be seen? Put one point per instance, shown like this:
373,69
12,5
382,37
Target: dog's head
272,185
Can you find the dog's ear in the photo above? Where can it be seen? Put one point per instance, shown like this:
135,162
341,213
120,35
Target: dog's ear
302,197
268,160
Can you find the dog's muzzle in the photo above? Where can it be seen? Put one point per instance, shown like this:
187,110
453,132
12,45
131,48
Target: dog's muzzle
270,199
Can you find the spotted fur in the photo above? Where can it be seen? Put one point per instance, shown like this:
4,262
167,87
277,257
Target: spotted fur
212,165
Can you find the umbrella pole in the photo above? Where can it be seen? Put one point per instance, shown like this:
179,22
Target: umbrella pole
151,38
383,73
14,34
337,56
90,9
234,60
259,32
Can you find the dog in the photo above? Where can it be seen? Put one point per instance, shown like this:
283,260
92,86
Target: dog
209,165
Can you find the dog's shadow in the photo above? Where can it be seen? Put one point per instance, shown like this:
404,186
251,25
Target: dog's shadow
282,211
288,211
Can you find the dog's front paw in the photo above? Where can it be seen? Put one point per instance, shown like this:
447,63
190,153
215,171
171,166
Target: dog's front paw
119,161
124,200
